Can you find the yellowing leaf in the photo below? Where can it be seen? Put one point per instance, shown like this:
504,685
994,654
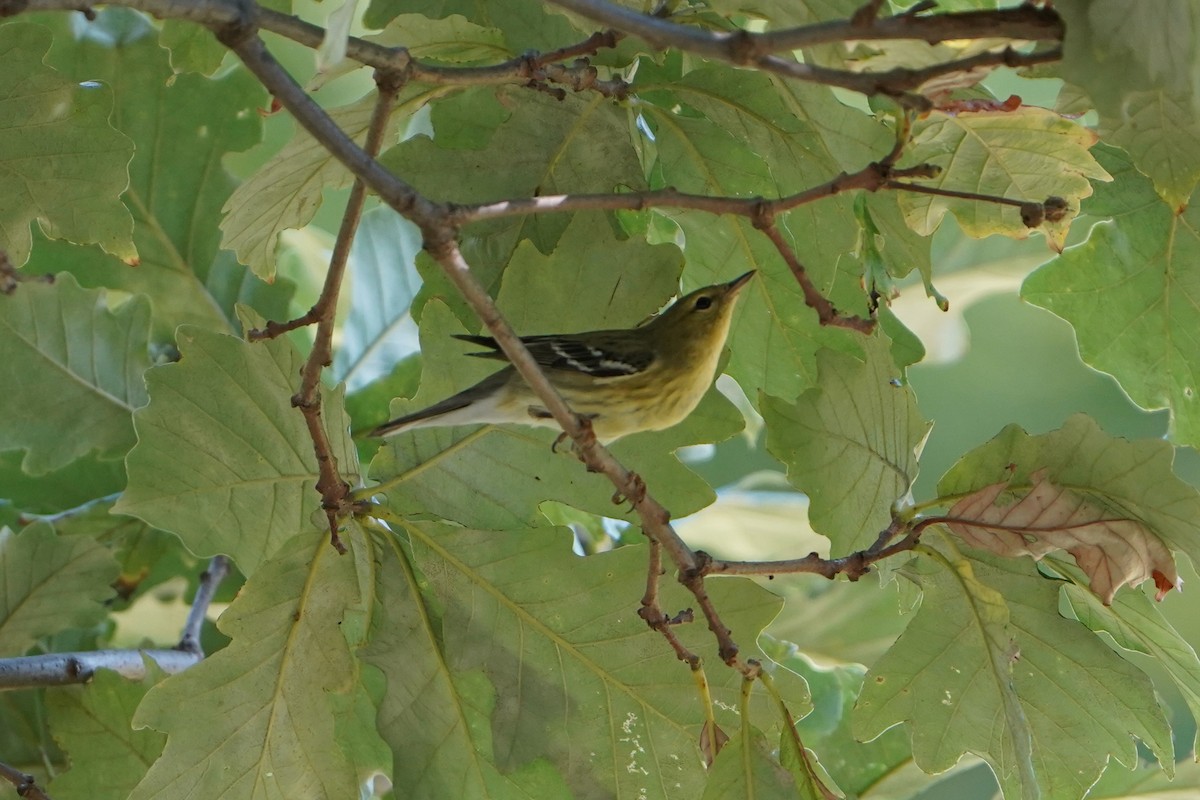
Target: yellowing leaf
1114,550
1029,155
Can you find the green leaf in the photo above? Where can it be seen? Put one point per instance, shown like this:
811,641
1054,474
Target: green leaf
578,277
286,191
538,639
851,444
451,40
147,556
256,719
982,669
80,481
493,143
1131,293
436,722
1028,155
70,364
247,484
50,584
1142,72
1119,783
525,26
1133,479
62,163
856,766
193,47
1136,624
747,767
182,126
93,724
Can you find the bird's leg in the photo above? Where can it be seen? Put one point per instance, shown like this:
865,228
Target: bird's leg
635,496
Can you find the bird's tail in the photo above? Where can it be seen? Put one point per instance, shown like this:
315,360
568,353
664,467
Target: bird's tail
476,404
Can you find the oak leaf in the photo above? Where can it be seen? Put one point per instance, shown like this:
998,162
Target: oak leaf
1112,549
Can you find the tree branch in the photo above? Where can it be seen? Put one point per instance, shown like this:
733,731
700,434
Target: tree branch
333,488
210,581
26,785
1026,23
653,615
741,47
826,313
745,48
873,177
62,669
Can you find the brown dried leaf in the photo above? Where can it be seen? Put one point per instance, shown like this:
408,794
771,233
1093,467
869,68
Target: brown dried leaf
1112,549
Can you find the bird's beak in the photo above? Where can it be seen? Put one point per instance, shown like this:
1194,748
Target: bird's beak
735,285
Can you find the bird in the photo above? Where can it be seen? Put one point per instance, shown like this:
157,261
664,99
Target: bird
624,381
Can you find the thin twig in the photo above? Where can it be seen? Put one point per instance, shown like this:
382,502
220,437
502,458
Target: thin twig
853,566
652,612
1023,23
210,581
333,488
813,298
745,48
871,178
26,785
940,192
693,580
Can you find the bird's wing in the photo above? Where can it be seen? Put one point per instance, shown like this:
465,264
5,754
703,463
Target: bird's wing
603,354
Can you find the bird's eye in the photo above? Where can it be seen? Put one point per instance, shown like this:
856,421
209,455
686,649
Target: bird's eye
703,302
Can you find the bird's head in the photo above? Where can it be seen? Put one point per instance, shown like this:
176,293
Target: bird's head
695,319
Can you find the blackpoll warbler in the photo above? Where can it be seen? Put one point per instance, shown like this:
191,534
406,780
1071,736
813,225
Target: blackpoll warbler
641,379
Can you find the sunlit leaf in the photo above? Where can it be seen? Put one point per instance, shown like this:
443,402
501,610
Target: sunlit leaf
1029,155
286,191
